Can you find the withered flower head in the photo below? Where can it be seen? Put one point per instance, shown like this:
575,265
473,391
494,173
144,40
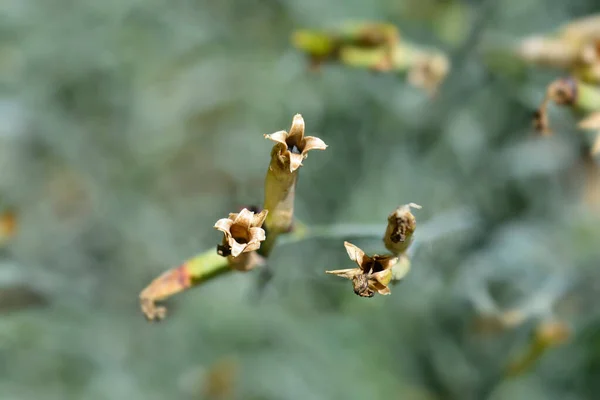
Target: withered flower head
242,232
401,225
372,275
292,147
563,92
429,71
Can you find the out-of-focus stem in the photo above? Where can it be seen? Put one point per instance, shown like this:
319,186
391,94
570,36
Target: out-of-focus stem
546,336
377,47
192,272
196,270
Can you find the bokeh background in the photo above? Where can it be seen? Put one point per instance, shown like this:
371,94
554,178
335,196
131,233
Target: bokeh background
127,128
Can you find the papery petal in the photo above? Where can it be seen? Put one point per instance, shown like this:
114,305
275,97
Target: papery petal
244,218
257,234
355,253
345,273
382,277
378,282
252,246
237,248
259,218
313,143
224,225
297,128
384,291
278,137
295,161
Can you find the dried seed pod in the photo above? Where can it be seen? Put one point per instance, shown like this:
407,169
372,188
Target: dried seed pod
400,228
373,273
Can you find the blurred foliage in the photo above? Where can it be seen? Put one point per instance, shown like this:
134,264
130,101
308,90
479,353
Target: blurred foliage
127,128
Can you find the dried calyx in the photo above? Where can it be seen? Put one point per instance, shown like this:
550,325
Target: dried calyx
292,147
242,232
373,273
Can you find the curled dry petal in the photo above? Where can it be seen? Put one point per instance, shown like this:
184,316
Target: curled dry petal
345,273
278,137
297,129
242,232
354,252
380,280
314,143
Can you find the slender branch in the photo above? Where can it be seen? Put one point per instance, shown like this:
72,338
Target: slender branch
453,221
377,47
208,265
192,272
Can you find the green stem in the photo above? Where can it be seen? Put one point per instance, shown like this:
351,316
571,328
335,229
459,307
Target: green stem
201,268
280,190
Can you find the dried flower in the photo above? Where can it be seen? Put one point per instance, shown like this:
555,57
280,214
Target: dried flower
377,47
242,232
280,183
321,46
575,48
429,71
292,148
372,275
401,226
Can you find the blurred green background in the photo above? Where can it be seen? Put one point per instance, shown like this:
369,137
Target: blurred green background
128,127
